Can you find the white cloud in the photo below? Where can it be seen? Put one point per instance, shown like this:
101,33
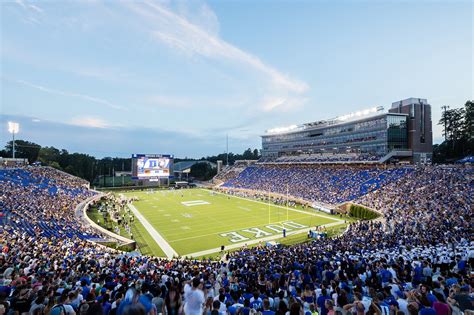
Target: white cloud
198,13
272,103
21,4
28,6
282,103
179,33
31,20
170,101
91,122
69,94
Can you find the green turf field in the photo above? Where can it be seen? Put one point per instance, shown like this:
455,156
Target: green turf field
194,220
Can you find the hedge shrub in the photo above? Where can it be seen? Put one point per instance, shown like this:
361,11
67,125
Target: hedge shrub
364,213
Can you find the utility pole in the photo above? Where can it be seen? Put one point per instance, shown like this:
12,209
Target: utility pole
13,145
13,128
445,108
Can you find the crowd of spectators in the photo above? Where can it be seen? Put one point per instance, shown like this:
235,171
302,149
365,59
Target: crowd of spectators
263,196
41,201
330,184
419,261
229,172
433,201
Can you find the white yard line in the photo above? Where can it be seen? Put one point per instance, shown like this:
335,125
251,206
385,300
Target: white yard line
245,209
255,241
167,249
170,252
273,205
231,230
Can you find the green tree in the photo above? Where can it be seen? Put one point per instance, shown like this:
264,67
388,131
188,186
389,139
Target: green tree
48,155
203,171
469,120
458,131
256,154
248,155
55,165
24,149
80,165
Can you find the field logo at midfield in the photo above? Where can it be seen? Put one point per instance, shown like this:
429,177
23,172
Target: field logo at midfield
235,237
194,203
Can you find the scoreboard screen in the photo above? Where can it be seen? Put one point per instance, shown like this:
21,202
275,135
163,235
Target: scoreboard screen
152,166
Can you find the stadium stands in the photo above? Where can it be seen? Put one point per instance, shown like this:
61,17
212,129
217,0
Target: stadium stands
229,172
312,182
41,201
418,262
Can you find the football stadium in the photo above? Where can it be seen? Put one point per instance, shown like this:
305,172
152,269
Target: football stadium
280,227
366,213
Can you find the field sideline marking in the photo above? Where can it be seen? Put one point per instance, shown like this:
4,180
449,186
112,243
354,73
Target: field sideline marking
239,229
273,205
167,249
254,241
206,224
170,252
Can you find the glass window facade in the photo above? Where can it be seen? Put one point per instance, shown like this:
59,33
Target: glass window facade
397,132
375,135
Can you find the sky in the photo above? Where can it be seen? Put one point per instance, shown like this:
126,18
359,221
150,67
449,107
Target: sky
112,78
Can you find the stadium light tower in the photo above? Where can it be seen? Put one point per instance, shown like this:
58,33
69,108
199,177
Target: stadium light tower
13,128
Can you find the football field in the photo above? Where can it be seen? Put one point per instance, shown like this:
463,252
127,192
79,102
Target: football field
196,222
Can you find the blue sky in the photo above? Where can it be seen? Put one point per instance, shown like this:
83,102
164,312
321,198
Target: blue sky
117,77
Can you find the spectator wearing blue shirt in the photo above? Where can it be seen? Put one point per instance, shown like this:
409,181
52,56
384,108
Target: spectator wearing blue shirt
427,311
256,303
321,302
266,308
385,275
85,288
244,310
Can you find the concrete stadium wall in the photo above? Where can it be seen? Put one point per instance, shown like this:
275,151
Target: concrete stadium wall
81,214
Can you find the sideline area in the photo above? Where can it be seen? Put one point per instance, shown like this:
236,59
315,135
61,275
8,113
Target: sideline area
255,241
167,249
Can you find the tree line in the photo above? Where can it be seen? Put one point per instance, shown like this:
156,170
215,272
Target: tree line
203,171
248,154
91,168
457,123
458,133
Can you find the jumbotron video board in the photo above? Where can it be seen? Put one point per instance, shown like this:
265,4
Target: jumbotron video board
152,167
